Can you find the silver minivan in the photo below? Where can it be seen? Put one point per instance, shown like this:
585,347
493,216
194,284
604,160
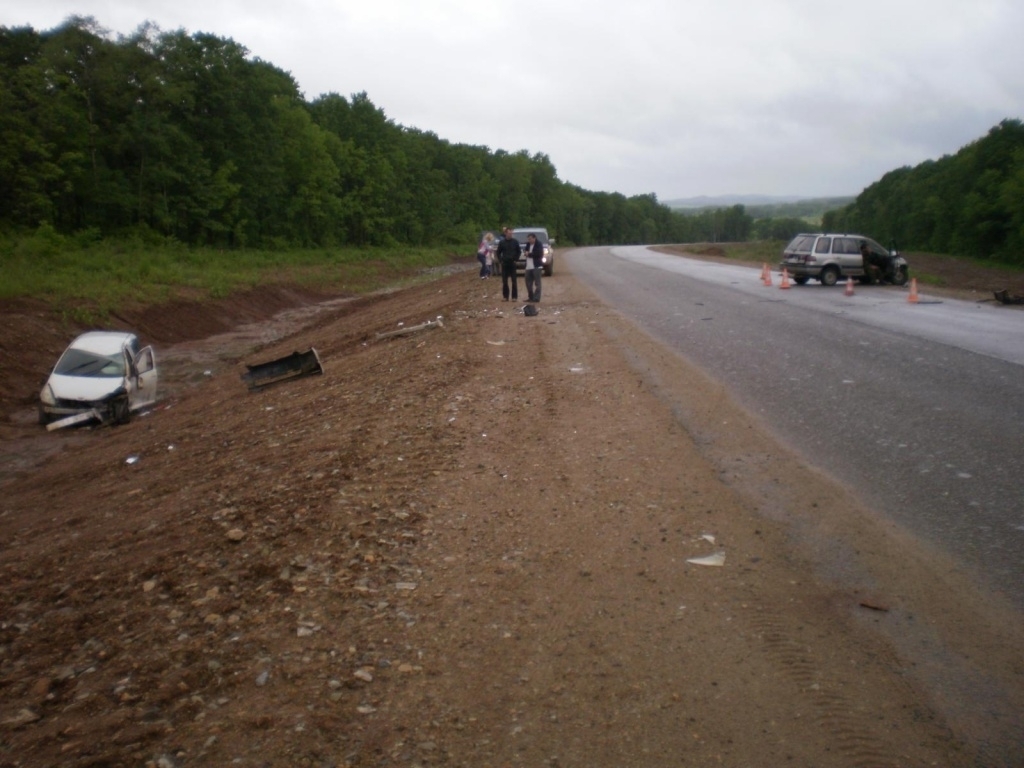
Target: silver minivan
831,257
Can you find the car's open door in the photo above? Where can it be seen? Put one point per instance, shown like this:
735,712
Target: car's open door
145,379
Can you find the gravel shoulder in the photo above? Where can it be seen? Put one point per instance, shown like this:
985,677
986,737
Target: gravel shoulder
470,546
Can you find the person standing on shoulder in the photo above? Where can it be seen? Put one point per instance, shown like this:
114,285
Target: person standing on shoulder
483,255
534,266
870,270
508,254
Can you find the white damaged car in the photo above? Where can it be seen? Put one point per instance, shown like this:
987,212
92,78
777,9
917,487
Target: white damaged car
102,376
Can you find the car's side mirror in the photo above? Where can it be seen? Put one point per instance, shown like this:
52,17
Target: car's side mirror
552,242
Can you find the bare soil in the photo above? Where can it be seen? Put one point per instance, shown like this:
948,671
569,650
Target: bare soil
466,546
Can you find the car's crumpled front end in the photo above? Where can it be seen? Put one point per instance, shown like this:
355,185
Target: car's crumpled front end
65,396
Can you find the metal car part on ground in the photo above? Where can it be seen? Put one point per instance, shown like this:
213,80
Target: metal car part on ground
292,366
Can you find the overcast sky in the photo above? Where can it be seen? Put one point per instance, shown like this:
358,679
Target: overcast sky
705,97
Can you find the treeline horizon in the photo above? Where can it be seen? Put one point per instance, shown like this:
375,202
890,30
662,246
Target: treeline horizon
187,138
967,204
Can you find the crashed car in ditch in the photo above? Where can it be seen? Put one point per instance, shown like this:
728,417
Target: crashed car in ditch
102,376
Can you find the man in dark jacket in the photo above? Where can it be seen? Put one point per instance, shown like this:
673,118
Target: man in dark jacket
508,254
534,266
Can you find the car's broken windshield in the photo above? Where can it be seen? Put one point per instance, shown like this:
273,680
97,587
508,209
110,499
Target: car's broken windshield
76,362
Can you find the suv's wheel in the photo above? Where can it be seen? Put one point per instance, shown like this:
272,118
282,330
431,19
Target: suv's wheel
900,277
829,275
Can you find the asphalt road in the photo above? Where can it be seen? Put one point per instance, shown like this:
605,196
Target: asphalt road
918,407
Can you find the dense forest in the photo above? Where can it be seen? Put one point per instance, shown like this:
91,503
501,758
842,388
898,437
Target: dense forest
967,204
189,138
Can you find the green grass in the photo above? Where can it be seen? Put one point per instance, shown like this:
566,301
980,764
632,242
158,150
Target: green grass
92,280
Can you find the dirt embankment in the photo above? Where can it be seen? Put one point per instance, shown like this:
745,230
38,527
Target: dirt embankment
468,546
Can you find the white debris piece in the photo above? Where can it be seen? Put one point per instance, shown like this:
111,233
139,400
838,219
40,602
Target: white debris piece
716,559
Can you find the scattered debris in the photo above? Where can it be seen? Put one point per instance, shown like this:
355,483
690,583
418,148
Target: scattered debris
1005,297
874,606
78,418
413,328
716,559
293,366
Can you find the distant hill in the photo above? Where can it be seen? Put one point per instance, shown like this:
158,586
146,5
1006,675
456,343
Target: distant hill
765,206
727,201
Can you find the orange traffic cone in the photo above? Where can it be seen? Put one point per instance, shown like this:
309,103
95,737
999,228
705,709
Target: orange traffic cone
767,276
764,272
785,278
912,298
849,287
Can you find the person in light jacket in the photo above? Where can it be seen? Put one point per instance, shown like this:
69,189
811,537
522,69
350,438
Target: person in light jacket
483,255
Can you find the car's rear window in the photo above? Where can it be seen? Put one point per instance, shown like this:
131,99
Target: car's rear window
801,244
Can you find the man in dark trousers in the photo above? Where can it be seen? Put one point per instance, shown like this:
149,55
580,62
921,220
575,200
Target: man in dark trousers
534,266
508,253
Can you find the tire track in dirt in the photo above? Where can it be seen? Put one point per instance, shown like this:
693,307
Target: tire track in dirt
853,730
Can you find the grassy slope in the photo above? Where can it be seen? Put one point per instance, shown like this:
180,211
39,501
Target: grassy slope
92,281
